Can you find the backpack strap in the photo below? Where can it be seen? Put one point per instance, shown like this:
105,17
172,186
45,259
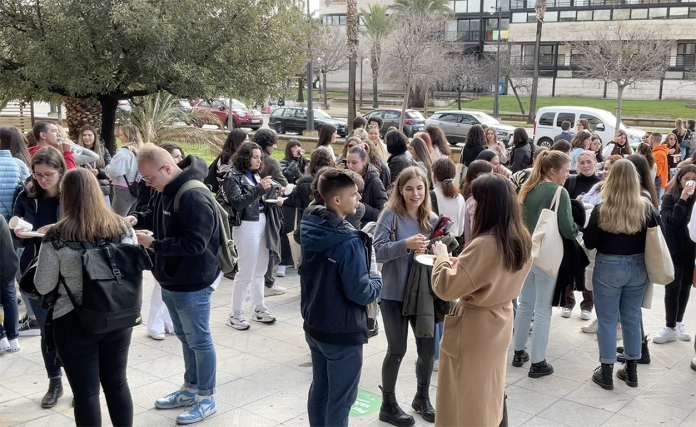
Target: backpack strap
194,183
433,202
572,183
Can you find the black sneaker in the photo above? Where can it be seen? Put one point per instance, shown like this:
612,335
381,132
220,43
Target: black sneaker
519,358
540,369
28,327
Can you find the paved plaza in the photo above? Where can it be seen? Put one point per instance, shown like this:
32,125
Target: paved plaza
263,376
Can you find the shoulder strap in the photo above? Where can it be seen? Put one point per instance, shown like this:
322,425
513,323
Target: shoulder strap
194,183
572,184
433,202
556,199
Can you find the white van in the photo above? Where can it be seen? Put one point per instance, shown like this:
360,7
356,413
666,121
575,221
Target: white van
547,124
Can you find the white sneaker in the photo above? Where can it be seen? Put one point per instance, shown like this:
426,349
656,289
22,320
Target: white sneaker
565,312
263,316
14,346
281,271
238,322
586,315
681,332
436,366
275,290
4,344
666,335
591,328
158,337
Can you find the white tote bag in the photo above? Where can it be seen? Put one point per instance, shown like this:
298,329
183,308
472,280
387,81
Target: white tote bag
547,243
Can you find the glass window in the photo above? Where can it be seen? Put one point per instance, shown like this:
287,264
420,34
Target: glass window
602,15
528,50
546,119
692,12
551,17
474,24
582,3
467,119
391,115
678,12
463,25
448,117
505,4
278,112
474,6
489,6
595,123
562,117
531,17
621,14
584,15
460,7
519,17
658,13
568,15
639,14
550,3
517,4
343,20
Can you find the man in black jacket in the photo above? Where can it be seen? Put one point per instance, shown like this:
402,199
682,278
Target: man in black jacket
338,281
185,243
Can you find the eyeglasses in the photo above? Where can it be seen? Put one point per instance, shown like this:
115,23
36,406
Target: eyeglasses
149,180
44,176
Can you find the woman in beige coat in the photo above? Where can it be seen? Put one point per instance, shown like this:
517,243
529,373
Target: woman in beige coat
489,273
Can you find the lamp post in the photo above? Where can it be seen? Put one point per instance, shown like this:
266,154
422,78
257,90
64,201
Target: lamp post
496,105
310,82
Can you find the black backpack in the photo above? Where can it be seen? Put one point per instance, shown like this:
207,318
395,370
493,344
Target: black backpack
112,278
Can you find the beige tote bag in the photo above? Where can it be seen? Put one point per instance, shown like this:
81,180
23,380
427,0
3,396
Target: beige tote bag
657,258
547,243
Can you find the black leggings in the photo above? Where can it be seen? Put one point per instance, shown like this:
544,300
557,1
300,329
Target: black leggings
90,359
396,329
677,292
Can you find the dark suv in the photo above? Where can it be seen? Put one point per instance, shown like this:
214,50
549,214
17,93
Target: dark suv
294,119
414,121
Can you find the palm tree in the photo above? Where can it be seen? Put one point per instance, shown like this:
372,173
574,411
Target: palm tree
352,36
421,6
377,25
80,112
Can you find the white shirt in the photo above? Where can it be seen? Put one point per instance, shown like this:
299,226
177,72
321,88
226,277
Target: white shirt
453,208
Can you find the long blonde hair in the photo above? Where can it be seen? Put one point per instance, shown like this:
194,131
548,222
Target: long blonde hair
623,209
397,203
135,140
679,124
543,163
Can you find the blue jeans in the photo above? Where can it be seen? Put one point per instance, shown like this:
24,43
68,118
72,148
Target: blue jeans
439,328
8,297
682,151
190,312
51,361
535,299
335,377
619,284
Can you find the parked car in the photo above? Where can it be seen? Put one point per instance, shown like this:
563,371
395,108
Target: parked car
456,124
241,115
294,119
413,122
547,124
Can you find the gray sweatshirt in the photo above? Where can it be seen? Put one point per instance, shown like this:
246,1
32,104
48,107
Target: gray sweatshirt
64,258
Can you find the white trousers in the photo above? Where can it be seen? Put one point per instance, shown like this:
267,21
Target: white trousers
250,239
159,321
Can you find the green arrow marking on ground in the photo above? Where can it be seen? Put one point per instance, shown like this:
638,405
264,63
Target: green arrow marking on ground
365,404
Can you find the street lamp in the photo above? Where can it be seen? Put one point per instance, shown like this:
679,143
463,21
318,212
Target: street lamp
496,106
362,61
310,82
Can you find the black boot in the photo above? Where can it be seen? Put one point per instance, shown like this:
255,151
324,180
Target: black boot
604,376
421,403
540,369
629,373
644,353
519,358
391,413
55,390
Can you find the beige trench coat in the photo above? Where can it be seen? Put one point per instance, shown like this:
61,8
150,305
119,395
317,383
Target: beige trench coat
473,352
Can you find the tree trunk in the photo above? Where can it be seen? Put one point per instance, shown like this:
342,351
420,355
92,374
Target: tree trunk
425,106
374,63
81,112
619,100
326,99
517,96
418,97
459,99
352,37
403,107
300,89
352,74
535,78
109,104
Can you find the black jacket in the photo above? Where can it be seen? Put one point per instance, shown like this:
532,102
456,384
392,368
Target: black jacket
675,216
398,163
303,193
186,243
384,174
293,169
522,157
10,262
27,208
469,153
374,195
271,167
334,278
241,197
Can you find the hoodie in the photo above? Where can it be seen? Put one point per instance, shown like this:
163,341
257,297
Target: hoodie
186,242
67,155
660,153
334,278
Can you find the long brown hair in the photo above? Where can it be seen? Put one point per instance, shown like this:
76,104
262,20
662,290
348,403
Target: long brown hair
397,203
438,139
498,214
97,147
13,140
542,165
476,168
52,158
420,149
444,171
84,214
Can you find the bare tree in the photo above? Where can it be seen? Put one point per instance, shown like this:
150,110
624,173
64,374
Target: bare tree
415,53
467,72
515,72
333,54
625,54
540,9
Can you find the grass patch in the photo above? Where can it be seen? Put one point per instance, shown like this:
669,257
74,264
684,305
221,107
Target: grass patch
629,108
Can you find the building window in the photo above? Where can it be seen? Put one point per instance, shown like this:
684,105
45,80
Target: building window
584,15
546,54
686,54
531,17
639,14
489,6
580,3
474,6
519,17
551,17
692,12
678,12
460,7
658,13
567,16
602,15
334,20
518,4
621,14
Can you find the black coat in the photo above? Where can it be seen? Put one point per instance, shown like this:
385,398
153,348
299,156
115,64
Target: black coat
303,193
521,157
241,197
675,216
27,207
384,174
575,260
10,262
374,195
398,163
469,153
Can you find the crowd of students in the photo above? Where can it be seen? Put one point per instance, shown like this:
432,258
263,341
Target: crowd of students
402,191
